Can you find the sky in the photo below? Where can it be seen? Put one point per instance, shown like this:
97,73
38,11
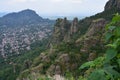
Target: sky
55,7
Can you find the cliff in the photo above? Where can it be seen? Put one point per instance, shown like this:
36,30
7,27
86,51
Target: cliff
64,30
65,55
112,4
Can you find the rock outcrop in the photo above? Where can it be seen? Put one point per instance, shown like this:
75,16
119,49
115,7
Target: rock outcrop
61,28
93,38
74,26
96,27
112,4
64,30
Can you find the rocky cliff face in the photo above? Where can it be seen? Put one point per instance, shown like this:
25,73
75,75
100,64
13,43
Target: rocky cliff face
74,26
61,28
96,27
93,39
57,60
112,4
64,30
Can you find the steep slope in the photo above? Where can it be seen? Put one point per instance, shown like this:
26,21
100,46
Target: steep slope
112,4
72,44
64,30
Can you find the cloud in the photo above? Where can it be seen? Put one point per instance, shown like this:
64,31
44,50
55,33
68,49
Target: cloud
16,1
19,1
67,1
77,1
54,7
57,1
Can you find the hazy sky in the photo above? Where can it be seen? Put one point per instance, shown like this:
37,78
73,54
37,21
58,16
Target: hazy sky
55,7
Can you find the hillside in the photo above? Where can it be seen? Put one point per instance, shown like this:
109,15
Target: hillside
19,30
71,45
23,35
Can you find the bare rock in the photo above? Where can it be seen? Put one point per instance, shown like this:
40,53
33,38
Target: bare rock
74,26
92,56
96,26
112,4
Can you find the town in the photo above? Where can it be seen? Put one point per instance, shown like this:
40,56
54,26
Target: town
17,39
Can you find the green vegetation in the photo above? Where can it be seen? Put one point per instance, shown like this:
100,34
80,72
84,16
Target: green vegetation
85,23
68,47
86,54
13,65
108,66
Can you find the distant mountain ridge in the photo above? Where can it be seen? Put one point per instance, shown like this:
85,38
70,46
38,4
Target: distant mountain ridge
25,17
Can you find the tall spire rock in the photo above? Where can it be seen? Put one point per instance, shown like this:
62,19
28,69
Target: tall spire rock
61,30
112,4
74,26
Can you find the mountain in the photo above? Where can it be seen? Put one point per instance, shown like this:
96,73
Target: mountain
19,30
25,17
23,35
71,45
